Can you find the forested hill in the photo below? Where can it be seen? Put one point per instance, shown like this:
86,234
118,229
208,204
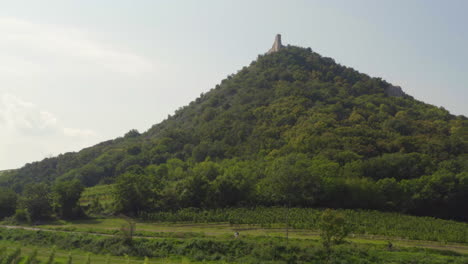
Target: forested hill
292,128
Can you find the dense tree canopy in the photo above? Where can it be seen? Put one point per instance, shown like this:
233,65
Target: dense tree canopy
65,195
8,199
36,202
135,191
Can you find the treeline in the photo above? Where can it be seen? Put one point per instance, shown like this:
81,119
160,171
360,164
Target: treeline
294,180
291,180
292,128
42,202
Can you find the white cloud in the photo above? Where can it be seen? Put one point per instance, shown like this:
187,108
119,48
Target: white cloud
73,132
25,118
27,47
29,133
50,62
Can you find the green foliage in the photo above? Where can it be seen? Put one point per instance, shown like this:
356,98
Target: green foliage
291,180
13,257
32,258
51,258
36,202
65,198
70,258
333,228
234,185
135,191
127,230
245,250
98,199
132,133
8,199
22,216
95,207
358,221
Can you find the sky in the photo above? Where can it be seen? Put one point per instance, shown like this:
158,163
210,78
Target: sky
75,73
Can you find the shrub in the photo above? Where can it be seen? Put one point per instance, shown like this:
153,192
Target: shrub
333,228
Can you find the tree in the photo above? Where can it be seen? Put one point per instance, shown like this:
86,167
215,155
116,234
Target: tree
65,195
333,228
234,186
132,133
8,200
207,169
90,174
290,180
135,191
36,201
391,193
194,191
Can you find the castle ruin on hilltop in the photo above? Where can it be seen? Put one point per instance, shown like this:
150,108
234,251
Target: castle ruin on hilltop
391,90
277,45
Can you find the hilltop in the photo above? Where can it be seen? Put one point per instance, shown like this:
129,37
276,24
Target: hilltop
293,128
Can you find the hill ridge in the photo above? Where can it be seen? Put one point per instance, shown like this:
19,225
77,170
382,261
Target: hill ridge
288,109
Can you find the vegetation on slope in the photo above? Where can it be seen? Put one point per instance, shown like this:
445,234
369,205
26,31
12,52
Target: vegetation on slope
359,222
293,128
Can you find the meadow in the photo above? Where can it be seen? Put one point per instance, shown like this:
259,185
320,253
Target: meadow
92,248
360,222
267,235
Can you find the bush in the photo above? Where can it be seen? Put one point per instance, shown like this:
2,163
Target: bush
333,228
22,215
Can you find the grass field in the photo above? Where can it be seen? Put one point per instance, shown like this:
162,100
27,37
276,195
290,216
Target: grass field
360,222
79,256
221,231
368,223
206,236
268,241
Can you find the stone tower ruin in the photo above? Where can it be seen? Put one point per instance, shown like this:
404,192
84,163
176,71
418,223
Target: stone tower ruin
277,45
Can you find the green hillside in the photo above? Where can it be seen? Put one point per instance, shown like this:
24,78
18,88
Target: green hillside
293,128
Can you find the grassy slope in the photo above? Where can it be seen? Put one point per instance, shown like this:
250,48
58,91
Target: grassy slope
101,192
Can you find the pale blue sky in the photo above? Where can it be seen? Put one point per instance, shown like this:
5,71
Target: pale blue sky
74,73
